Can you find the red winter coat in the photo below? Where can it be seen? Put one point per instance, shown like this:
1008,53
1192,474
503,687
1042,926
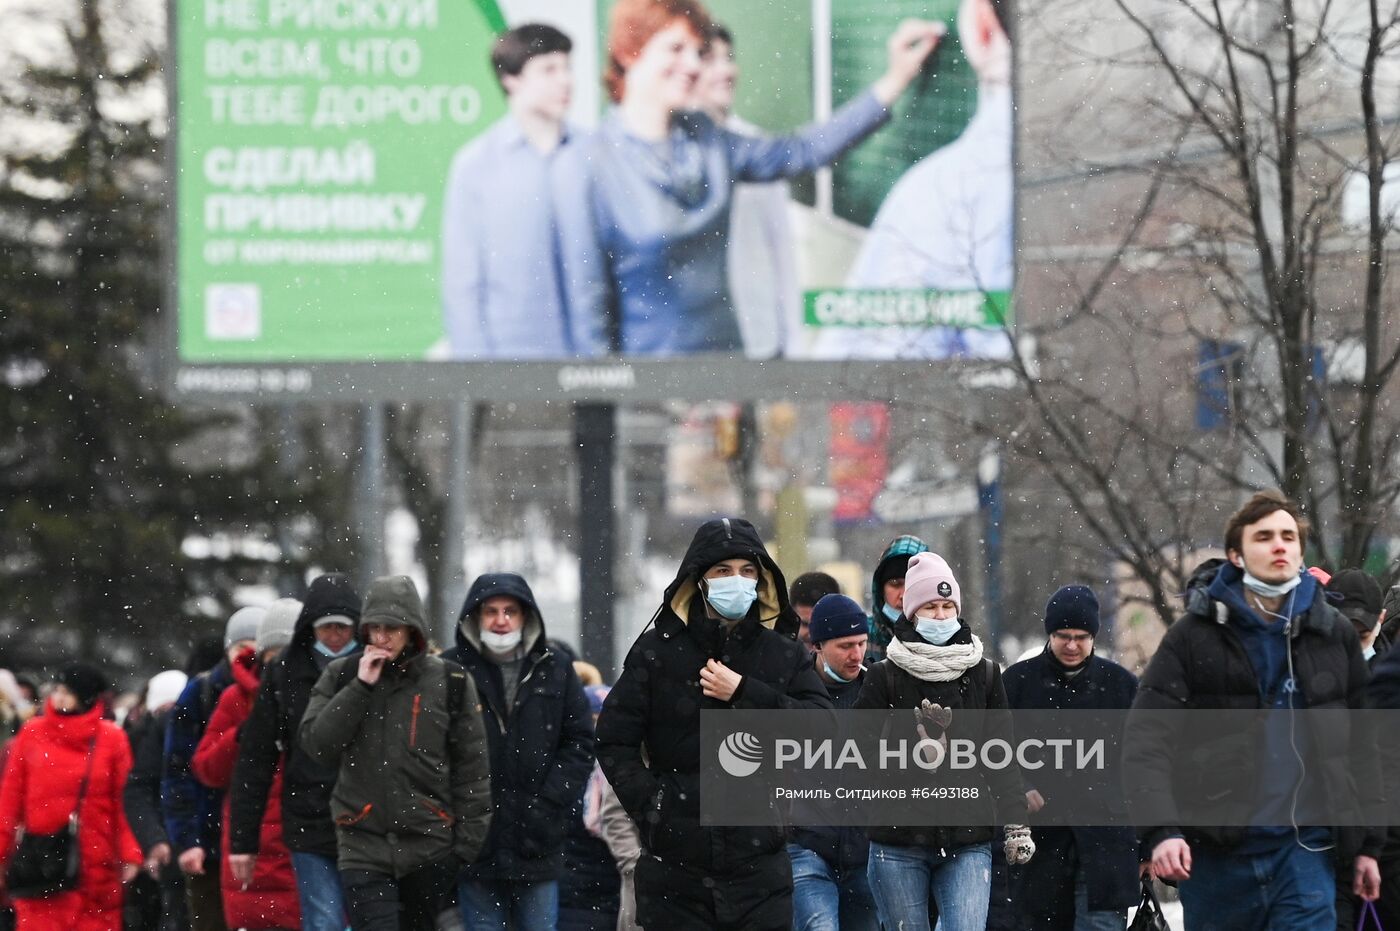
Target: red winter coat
39,792
270,901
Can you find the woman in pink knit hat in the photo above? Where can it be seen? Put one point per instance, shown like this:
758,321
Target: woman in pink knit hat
935,664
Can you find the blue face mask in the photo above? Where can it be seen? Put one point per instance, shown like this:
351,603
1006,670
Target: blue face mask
891,613
833,675
1268,590
346,650
731,596
935,631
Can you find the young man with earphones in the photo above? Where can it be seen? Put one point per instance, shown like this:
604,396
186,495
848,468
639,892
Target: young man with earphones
1258,634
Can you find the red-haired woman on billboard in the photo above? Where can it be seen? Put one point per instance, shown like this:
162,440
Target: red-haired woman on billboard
643,206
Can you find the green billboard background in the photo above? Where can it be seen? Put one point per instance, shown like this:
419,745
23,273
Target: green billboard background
279,102
313,141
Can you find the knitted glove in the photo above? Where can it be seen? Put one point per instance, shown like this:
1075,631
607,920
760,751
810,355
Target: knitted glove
933,716
1019,847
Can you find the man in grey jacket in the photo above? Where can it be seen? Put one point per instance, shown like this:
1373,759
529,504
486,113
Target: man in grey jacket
412,799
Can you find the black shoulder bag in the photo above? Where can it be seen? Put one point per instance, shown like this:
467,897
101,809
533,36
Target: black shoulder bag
47,864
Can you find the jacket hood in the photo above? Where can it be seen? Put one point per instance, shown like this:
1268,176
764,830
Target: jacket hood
1228,589
494,585
1197,594
332,593
900,548
394,599
732,538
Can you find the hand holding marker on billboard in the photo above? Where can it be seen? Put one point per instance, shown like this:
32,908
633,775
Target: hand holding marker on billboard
910,46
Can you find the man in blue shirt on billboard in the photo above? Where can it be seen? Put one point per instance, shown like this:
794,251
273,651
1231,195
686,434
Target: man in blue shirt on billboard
501,297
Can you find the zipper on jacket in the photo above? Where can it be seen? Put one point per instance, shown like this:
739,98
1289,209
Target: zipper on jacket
520,687
495,712
347,820
445,816
413,724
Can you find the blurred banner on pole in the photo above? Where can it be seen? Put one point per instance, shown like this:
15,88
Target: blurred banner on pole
860,435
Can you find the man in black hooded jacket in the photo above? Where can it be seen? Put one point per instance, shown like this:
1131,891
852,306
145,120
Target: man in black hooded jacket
539,730
325,630
724,637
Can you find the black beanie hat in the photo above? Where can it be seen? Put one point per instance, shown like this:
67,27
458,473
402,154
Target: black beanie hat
1074,607
894,567
85,682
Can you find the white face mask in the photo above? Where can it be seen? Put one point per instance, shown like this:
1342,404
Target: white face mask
501,643
1268,590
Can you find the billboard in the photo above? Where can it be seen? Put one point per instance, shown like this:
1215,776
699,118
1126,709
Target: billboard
389,197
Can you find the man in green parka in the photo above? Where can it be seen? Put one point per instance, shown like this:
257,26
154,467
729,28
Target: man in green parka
412,799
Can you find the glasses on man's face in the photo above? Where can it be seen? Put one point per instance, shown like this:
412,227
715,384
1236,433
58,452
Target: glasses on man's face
1065,639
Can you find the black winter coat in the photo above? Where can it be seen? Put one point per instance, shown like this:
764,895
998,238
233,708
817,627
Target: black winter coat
1384,694
657,701
589,890
843,848
272,727
541,744
141,795
1202,663
979,688
1045,886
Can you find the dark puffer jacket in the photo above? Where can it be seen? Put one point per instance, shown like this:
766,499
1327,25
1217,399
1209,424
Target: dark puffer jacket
413,775
1108,854
272,728
541,744
657,702
193,812
1202,663
978,689
843,848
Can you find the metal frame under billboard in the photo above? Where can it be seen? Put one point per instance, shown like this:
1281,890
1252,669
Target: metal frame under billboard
257,188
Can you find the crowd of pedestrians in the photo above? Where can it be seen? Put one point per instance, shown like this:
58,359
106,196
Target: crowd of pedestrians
324,766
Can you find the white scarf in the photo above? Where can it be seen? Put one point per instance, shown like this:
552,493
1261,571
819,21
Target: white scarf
934,663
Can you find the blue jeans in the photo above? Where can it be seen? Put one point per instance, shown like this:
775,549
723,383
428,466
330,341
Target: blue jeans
902,880
1099,920
319,892
826,899
488,906
1288,889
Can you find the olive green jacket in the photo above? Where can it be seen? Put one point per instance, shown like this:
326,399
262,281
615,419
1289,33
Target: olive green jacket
414,781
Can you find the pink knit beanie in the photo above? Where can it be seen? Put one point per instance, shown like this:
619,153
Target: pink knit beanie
928,578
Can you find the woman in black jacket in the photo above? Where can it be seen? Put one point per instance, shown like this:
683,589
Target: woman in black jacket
724,637
934,663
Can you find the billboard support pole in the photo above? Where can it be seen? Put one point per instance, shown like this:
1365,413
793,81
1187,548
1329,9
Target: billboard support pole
454,576
991,507
595,439
371,497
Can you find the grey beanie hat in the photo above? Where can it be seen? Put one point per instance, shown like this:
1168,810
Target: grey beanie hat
278,624
243,625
